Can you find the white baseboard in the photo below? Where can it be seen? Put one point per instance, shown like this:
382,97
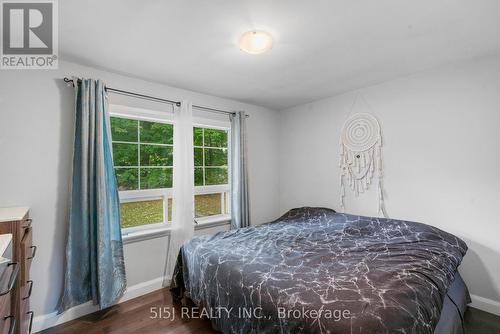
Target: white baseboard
45,321
485,304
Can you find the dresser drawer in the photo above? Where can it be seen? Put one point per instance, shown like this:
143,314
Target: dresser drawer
8,325
8,277
26,321
7,319
5,306
28,252
17,319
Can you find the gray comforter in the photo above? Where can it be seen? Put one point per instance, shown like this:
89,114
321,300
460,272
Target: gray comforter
317,271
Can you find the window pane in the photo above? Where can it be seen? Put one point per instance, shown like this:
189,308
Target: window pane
197,136
153,178
157,133
215,157
125,155
198,176
123,129
207,205
169,209
226,203
215,138
127,178
155,155
141,213
198,157
215,176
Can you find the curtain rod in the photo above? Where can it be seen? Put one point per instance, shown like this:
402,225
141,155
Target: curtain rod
216,111
157,99
127,93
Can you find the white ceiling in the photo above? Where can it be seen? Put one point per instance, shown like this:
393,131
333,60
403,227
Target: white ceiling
322,47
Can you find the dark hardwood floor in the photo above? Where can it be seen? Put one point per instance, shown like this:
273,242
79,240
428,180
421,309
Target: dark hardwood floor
136,316
480,322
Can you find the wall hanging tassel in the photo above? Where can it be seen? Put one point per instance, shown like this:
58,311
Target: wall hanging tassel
361,157
342,193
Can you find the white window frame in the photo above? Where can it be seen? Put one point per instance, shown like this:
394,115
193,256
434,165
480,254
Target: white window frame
216,189
125,196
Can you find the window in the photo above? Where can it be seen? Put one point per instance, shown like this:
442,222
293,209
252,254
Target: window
142,143
211,176
143,161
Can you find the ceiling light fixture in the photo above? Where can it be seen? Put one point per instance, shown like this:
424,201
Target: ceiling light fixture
256,42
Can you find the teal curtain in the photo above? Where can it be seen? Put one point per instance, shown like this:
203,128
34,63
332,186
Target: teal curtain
95,269
240,208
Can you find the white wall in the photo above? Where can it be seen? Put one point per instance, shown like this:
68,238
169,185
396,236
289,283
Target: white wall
36,138
441,132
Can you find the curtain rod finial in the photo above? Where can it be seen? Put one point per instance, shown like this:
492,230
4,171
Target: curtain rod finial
69,81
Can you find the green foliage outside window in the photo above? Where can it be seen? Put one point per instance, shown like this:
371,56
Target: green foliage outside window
211,168
207,205
142,153
143,159
155,155
125,155
215,138
198,136
141,213
159,133
156,178
210,157
124,129
127,178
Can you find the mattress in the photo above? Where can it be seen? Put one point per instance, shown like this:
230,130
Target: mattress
318,271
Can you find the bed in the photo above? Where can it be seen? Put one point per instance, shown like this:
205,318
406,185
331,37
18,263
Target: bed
317,271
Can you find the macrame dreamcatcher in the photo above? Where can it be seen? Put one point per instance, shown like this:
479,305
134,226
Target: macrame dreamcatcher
361,157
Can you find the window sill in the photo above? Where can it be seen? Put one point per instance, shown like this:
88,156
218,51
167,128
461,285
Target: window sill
212,221
145,235
201,223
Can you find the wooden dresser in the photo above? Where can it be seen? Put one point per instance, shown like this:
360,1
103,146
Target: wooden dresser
17,285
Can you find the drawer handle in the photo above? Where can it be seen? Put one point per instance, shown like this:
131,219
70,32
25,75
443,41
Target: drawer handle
34,252
12,279
12,326
31,313
30,282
